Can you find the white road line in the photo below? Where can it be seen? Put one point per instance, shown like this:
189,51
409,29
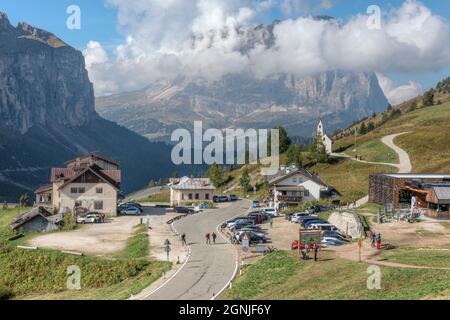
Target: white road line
237,259
172,276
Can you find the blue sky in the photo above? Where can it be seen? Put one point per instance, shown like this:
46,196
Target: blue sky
99,23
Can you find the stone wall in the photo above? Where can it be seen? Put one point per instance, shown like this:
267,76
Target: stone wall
349,223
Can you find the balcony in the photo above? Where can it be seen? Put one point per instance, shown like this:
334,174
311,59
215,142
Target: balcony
290,198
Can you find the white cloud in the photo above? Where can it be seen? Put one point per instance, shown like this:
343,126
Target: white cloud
398,94
160,42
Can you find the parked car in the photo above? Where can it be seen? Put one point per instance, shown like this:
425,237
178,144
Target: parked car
322,225
184,210
315,221
299,216
334,234
253,236
129,205
330,241
234,197
306,222
131,211
258,217
89,218
270,212
239,221
240,226
248,229
220,199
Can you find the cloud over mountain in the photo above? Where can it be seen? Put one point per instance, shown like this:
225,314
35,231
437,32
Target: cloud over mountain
210,38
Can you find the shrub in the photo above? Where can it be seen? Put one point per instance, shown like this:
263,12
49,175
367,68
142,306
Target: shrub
6,293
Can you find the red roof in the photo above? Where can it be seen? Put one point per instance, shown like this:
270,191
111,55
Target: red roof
61,174
116,175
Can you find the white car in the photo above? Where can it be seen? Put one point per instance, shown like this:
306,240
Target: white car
90,218
271,211
324,226
131,211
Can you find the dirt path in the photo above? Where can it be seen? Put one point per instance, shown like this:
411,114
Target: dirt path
369,254
404,165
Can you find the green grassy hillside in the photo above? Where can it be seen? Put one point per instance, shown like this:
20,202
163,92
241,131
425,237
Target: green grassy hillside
427,141
281,276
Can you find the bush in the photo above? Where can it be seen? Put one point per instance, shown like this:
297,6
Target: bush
6,293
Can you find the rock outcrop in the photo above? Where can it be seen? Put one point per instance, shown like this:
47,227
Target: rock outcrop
47,116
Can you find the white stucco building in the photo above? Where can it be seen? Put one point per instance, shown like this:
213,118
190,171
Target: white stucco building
91,182
190,190
294,185
327,142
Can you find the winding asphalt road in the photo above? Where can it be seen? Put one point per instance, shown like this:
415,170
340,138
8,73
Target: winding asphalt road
210,267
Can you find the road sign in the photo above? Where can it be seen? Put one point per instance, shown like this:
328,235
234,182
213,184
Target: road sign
245,243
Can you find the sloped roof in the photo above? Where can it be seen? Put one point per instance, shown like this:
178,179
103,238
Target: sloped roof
45,188
108,178
67,174
187,183
443,194
30,215
289,172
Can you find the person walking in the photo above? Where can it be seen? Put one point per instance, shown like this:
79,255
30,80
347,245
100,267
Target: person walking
214,237
271,223
183,239
378,240
208,238
316,248
372,239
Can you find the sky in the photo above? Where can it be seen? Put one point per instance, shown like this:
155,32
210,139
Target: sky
129,43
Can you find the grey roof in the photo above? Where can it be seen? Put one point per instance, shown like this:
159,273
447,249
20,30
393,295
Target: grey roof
186,183
443,194
30,215
287,172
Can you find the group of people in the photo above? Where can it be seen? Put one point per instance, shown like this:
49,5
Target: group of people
208,237
375,240
306,249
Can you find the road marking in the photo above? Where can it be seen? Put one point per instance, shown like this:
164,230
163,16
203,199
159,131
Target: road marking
237,258
172,276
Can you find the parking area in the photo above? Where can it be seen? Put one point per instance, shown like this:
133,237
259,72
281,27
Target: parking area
101,239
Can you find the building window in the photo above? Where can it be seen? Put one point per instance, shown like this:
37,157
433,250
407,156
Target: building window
197,196
207,196
81,190
73,190
294,180
190,196
306,193
99,190
182,196
98,205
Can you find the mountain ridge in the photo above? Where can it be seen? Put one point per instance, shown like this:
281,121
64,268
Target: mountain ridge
47,112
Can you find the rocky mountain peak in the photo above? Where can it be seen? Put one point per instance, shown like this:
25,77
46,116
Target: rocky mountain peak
43,81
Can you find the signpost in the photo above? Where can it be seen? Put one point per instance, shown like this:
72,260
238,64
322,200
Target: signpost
167,248
360,244
308,237
245,244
